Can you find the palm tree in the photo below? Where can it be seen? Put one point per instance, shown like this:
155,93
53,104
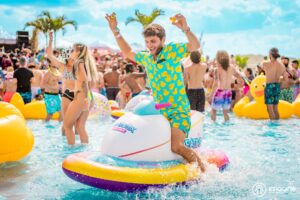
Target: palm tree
59,23
42,24
144,19
36,29
46,27
34,41
242,61
46,23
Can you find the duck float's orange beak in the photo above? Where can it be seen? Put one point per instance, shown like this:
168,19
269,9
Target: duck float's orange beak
259,93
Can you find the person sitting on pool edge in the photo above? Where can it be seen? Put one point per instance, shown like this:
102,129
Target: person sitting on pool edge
163,67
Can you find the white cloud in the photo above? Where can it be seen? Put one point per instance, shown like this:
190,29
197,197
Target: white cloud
277,12
251,41
18,13
5,35
254,41
97,9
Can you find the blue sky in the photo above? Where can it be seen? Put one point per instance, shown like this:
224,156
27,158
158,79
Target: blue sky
238,26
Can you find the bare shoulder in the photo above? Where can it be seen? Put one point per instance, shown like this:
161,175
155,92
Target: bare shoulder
39,72
266,63
188,68
204,65
233,68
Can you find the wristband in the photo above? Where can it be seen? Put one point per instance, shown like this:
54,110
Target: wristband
116,30
187,30
118,36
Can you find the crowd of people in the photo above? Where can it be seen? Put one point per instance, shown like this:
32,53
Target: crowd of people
65,81
121,79
34,77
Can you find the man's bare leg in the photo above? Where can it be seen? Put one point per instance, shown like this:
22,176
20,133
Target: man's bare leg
226,116
276,113
177,146
48,117
213,114
271,112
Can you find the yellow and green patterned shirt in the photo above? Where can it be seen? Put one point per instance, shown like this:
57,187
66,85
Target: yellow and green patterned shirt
165,75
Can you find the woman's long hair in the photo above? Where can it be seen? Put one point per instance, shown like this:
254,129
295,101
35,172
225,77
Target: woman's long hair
89,62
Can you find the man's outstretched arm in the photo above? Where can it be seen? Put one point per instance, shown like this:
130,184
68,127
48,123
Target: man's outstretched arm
123,45
193,42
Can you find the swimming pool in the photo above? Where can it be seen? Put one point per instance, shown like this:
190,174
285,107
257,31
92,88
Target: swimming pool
265,160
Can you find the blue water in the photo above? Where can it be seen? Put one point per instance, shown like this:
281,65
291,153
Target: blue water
265,161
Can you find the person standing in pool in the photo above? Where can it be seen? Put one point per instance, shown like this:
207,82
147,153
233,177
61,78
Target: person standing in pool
51,92
221,95
275,72
68,86
84,72
163,66
194,78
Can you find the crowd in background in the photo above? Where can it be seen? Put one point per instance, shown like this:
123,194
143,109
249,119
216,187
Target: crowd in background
119,78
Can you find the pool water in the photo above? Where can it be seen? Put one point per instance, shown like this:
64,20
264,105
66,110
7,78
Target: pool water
264,156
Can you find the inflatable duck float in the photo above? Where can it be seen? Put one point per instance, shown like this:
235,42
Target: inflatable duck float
32,110
16,140
37,109
257,108
136,153
296,106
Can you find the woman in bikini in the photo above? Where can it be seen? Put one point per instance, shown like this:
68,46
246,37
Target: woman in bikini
85,75
68,85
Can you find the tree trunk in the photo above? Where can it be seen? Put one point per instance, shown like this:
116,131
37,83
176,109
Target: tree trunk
34,41
54,39
46,36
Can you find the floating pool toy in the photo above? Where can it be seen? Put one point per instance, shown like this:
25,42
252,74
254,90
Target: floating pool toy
136,154
113,105
116,114
16,140
33,110
257,108
131,105
296,106
101,108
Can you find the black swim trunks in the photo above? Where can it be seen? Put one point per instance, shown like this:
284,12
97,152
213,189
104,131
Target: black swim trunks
197,99
68,94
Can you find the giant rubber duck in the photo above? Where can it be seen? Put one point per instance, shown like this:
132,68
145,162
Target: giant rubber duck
257,108
296,105
136,153
32,110
37,109
16,139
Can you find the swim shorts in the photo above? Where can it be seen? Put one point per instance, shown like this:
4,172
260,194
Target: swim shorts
272,91
52,102
222,99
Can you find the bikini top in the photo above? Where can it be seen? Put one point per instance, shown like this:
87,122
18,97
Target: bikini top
68,75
